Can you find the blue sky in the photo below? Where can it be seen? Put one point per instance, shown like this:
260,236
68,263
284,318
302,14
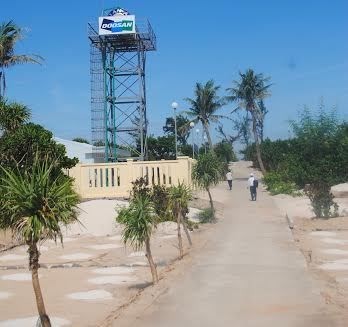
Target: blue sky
301,45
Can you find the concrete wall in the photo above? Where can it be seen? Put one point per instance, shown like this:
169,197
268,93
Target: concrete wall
106,180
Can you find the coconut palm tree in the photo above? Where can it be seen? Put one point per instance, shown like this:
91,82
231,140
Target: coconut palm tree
12,115
139,221
179,196
35,206
206,173
248,92
204,105
10,34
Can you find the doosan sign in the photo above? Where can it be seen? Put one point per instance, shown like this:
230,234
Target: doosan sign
117,25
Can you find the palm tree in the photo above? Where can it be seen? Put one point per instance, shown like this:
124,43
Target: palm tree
139,221
10,34
36,206
206,173
204,106
251,89
12,115
179,196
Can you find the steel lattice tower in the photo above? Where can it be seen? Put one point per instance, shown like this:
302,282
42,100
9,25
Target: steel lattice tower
118,93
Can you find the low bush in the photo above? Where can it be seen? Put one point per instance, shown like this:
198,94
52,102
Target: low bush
322,200
206,216
276,184
140,187
160,198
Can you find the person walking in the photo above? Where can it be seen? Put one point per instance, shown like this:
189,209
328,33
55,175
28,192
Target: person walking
229,178
252,184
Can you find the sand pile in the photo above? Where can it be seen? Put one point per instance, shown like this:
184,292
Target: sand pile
340,190
97,218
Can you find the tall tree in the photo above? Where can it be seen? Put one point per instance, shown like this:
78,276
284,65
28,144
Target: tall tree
10,34
204,105
12,115
20,147
247,92
181,123
36,205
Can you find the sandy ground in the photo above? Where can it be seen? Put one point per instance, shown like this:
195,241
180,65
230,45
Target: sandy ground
324,244
92,275
248,273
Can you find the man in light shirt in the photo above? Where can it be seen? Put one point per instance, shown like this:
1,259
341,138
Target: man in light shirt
252,187
229,179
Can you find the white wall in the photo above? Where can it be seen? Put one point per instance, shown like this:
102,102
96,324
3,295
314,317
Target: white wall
82,151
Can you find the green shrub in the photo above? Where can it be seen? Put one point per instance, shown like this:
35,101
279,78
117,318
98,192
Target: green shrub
140,186
160,199
276,184
322,200
206,216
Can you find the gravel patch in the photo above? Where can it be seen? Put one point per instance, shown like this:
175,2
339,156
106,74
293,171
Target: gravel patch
91,295
193,215
116,280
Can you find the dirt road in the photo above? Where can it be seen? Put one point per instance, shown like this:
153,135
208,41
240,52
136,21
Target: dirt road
249,273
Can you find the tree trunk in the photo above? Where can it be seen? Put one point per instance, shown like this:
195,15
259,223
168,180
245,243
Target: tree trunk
178,221
34,267
151,262
257,145
211,202
186,230
2,92
206,130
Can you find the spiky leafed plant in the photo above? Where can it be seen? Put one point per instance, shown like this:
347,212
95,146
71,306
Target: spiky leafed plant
248,92
10,34
179,196
204,105
139,221
206,173
12,115
35,207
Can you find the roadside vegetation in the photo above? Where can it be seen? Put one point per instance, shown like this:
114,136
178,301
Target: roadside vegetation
206,173
36,198
35,204
313,160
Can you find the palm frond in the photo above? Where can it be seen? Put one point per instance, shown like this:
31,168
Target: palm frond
38,203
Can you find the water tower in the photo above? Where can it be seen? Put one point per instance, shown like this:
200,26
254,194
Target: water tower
119,43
